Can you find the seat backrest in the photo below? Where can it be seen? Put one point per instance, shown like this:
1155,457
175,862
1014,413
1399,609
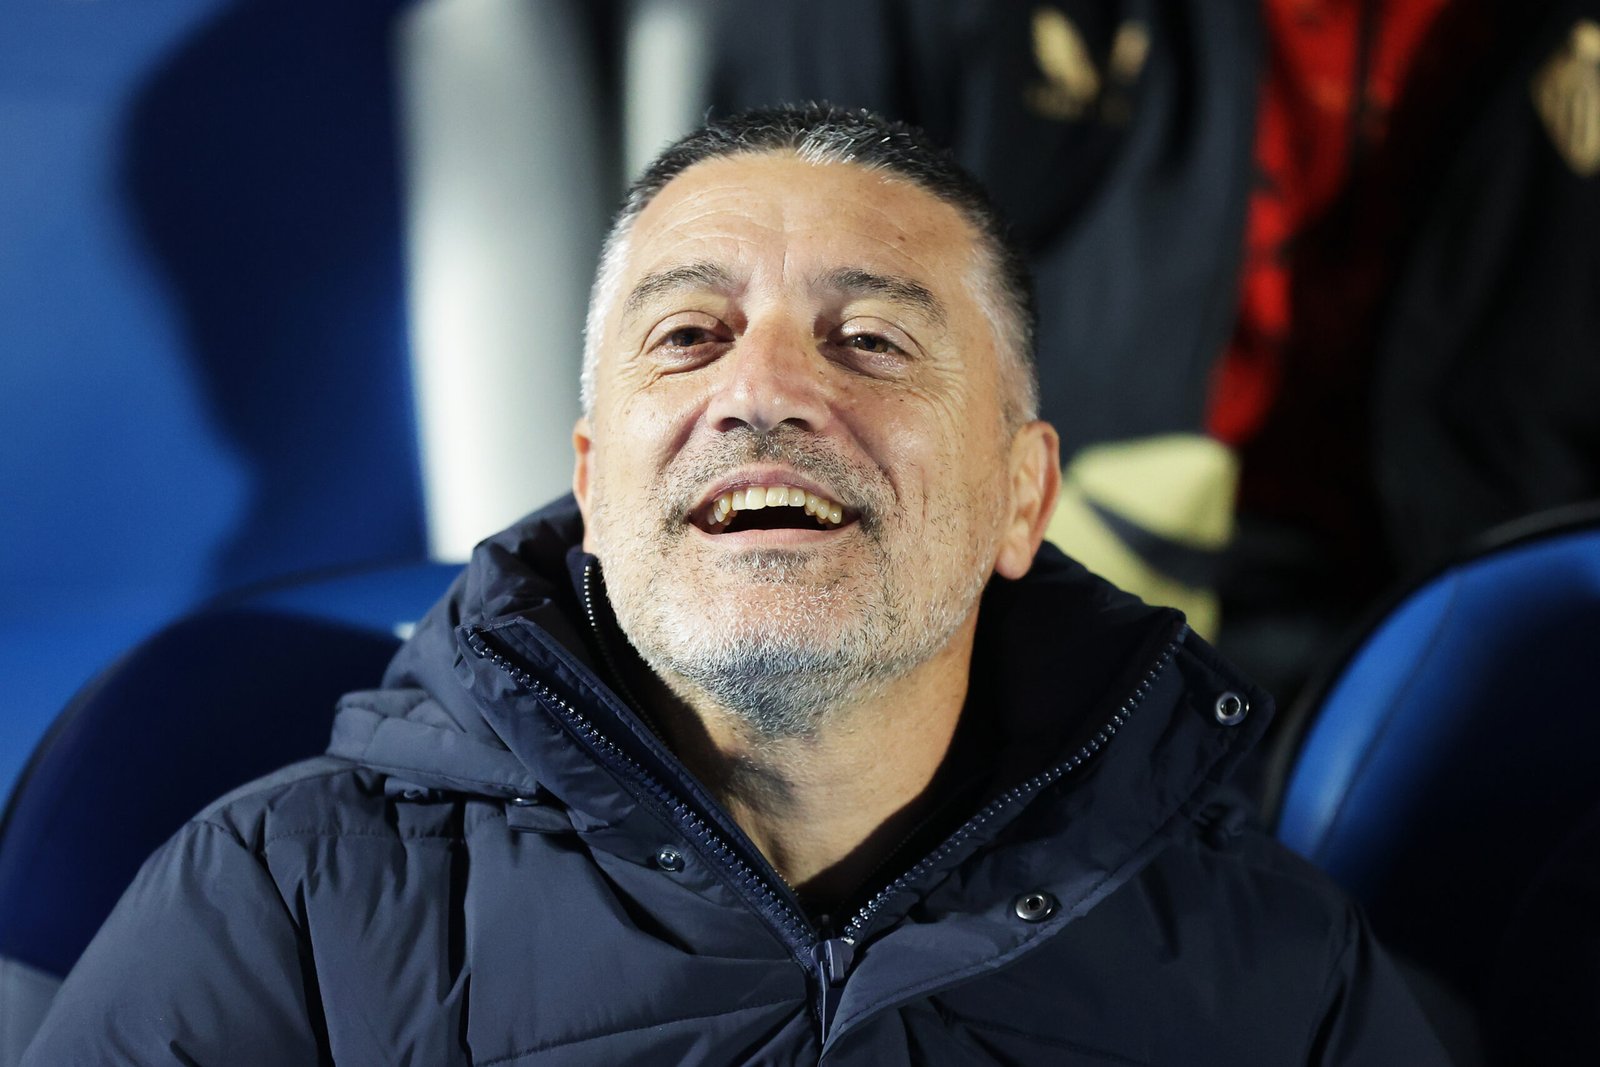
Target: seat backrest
208,703
204,373
1458,743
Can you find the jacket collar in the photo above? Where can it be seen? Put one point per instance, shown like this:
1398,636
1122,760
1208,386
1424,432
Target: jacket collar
1101,711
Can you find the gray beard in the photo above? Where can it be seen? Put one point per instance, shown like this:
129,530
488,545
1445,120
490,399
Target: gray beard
787,678
810,660
778,693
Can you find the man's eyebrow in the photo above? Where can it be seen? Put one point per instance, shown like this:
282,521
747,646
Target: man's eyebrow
688,276
856,281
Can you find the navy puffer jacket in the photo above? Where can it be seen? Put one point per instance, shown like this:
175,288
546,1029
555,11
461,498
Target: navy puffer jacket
497,863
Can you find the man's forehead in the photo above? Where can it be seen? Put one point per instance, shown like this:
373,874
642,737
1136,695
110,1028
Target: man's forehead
726,208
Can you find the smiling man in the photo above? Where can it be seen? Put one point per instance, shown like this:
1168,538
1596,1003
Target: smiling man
809,445
786,742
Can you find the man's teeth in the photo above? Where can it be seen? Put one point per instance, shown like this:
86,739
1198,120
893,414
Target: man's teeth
825,511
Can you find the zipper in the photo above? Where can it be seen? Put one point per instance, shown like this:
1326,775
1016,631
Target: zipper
856,928
797,932
827,959
900,847
617,676
831,959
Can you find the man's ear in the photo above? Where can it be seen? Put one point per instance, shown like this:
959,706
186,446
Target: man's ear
1035,485
582,462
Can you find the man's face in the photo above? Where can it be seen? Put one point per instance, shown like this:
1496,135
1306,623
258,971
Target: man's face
783,327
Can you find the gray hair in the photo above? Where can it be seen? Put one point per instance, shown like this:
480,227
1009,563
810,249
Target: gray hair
821,133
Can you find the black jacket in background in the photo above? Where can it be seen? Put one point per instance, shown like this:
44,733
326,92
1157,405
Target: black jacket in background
497,863
1475,402
1131,204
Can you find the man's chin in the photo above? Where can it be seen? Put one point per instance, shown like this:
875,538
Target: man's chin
778,689
779,630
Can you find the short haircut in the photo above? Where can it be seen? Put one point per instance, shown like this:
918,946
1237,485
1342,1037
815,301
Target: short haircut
822,133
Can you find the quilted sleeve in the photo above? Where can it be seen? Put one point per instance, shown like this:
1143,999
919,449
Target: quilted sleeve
201,962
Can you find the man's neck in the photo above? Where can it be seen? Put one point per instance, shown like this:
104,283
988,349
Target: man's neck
827,808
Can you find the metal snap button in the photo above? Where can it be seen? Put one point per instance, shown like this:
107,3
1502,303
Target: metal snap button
524,802
1034,907
1231,709
669,859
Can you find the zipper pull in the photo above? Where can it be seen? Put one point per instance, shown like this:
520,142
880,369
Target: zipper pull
832,959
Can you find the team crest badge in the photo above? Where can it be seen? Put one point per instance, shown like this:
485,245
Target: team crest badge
1566,93
1071,84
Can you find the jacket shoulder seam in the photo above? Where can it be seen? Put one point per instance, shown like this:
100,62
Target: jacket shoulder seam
259,788
210,817
344,832
205,823
366,699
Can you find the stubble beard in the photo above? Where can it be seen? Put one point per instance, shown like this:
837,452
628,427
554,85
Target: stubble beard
764,635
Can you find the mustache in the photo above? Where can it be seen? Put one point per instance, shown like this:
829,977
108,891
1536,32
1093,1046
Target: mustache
863,488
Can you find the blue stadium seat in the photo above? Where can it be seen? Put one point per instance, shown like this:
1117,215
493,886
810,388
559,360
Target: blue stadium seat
1456,745
204,375
211,701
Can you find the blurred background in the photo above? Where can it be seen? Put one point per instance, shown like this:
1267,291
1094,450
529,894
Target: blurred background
292,287
296,289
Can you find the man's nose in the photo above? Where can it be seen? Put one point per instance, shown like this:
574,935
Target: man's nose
775,374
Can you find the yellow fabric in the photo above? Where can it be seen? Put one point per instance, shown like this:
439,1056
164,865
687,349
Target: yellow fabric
1180,487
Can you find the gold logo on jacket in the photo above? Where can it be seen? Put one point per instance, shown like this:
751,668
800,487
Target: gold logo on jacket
1566,93
1072,83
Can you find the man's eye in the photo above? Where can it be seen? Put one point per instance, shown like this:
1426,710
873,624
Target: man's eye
686,337
871,342
687,345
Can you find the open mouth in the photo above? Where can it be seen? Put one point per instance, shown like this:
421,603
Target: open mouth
771,507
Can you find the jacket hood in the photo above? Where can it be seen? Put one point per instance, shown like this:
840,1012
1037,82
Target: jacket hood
425,727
